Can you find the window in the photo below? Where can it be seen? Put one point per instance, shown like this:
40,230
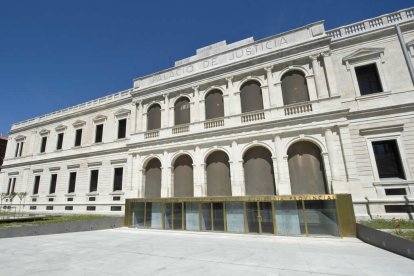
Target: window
251,97
118,172
93,185
72,182
154,117
43,144
182,111
98,133
294,87
36,185
368,79
122,128
388,159
19,149
59,141
12,184
53,180
78,137
214,104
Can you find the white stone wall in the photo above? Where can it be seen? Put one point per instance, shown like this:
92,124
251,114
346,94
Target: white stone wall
337,119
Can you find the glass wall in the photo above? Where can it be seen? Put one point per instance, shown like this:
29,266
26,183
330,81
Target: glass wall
280,217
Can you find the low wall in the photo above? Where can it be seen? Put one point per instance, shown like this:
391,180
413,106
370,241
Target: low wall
66,227
386,241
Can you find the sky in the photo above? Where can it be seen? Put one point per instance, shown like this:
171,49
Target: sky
56,54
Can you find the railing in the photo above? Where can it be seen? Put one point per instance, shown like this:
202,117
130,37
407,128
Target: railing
180,129
214,123
252,117
298,109
370,24
152,134
97,102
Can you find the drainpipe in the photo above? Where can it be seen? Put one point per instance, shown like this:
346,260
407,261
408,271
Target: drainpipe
405,52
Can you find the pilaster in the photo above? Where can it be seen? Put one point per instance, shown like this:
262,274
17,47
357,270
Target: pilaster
330,73
320,86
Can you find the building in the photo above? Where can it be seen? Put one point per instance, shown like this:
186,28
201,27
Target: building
307,111
3,145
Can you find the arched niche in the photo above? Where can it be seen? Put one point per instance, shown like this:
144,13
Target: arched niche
294,87
182,111
306,169
218,174
258,171
154,117
251,96
183,176
214,104
153,178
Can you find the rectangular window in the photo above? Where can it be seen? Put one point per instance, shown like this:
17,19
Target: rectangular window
98,133
388,159
36,185
78,137
368,79
118,172
43,145
122,128
72,182
53,180
93,185
9,186
395,191
59,141
13,185
19,149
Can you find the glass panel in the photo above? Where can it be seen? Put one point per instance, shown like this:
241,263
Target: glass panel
153,217
321,217
266,217
137,210
168,216
252,217
177,220
218,216
235,217
289,218
206,216
191,216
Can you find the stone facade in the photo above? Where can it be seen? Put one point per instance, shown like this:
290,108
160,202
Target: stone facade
338,117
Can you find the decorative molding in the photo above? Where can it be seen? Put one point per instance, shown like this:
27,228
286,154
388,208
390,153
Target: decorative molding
95,164
79,123
60,128
13,173
100,118
74,166
122,112
44,132
20,138
119,161
364,53
37,170
381,130
52,169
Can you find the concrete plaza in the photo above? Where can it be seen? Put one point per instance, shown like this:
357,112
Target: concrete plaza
150,252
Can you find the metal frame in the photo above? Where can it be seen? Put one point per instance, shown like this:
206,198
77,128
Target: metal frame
343,204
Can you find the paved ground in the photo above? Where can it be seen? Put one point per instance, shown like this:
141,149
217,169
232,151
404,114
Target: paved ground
144,252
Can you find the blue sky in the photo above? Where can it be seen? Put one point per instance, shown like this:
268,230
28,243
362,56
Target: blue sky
55,54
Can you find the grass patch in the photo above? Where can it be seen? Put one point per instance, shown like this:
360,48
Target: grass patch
388,224
409,235
52,220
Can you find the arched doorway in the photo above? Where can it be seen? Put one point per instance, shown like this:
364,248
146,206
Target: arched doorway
218,174
258,171
251,97
214,104
154,117
182,111
183,177
294,87
153,178
306,169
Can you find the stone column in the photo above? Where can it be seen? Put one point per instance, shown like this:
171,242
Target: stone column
311,88
139,117
144,118
134,113
236,171
282,183
141,182
165,116
348,152
332,154
134,173
130,164
270,85
279,94
330,73
165,176
320,87
33,142
196,114
235,107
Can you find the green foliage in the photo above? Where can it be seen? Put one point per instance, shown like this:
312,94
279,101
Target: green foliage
389,224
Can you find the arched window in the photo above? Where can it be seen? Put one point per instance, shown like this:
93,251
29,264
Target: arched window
182,111
306,169
251,96
153,178
218,174
214,104
183,177
294,87
154,117
258,171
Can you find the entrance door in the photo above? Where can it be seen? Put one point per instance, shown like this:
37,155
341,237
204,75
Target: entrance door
259,217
